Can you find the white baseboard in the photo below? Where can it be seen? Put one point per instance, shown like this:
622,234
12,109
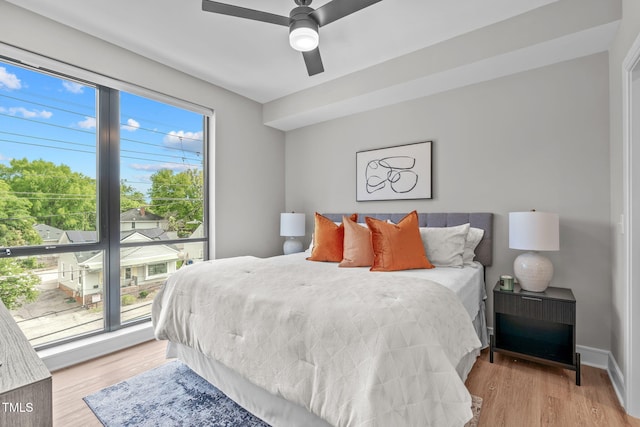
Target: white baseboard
99,345
594,357
617,379
604,359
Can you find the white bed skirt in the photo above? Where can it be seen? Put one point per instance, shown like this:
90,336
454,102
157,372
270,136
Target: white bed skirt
480,325
272,409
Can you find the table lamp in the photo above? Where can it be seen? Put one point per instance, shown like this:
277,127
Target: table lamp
292,226
533,231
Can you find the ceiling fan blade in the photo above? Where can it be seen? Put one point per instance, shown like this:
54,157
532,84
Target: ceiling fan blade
243,12
337,9
314,61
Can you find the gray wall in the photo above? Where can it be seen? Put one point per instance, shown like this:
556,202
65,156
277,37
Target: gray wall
537,139
248,157
628,32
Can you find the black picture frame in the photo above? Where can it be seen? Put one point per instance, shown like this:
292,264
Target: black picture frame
401,172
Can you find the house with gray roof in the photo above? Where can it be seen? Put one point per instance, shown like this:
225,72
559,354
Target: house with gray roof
80,274
141,218
49,235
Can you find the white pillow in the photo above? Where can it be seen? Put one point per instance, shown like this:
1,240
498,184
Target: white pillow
444,246
473,239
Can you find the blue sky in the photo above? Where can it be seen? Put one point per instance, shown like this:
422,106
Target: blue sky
45,117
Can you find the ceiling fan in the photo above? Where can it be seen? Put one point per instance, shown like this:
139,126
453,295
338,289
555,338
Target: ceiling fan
303,23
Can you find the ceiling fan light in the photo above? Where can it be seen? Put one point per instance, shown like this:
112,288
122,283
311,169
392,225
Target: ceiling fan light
304,39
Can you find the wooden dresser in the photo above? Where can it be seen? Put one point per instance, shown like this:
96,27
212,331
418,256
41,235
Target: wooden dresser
25,382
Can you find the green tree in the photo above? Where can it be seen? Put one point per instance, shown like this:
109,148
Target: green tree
179,198
130,198
16,223
17,284
59,197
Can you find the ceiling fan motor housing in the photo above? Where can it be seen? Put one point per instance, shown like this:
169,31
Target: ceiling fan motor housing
302,23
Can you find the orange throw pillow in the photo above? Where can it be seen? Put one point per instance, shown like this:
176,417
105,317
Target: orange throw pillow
328,239
357,251
397,246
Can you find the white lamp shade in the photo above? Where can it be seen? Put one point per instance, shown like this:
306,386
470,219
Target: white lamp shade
292,224
534,231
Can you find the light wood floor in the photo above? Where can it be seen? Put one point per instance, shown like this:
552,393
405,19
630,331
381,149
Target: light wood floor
515,392
519,393
71,384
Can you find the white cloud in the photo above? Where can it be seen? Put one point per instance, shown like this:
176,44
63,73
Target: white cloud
188,141
131,125
73,87
29,114
88,123
8,80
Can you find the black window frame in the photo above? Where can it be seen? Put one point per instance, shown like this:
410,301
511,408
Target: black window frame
108,189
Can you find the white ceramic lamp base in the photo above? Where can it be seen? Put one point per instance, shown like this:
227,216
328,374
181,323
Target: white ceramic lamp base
292,246
533,271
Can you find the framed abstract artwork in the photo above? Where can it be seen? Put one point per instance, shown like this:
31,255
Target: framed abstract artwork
402,172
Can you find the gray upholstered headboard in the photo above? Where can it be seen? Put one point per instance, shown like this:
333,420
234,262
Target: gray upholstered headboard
483,220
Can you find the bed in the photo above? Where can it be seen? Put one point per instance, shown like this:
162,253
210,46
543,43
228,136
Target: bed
302,343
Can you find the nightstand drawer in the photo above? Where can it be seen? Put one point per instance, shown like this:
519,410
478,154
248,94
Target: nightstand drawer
534,307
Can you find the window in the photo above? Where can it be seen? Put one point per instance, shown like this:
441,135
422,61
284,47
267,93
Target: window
72,198
157,269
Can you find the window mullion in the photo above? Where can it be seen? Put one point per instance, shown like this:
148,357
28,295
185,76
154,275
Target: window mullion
109,184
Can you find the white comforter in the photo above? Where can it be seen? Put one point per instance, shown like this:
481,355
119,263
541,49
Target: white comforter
375,352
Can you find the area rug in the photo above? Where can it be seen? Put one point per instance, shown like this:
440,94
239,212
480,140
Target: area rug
173,395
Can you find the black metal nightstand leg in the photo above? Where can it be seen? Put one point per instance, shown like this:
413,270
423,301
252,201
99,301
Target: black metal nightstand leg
491,348
577,369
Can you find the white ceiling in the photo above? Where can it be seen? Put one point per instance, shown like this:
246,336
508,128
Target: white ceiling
254,58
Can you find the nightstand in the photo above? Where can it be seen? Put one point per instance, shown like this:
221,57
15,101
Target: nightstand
537,326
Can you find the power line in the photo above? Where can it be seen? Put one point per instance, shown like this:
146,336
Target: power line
194,165
37,217
34,193
51,107
137,141
48,124
66,199
47,139
159,132
92,145
47,146
26,91
149,206
154,154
